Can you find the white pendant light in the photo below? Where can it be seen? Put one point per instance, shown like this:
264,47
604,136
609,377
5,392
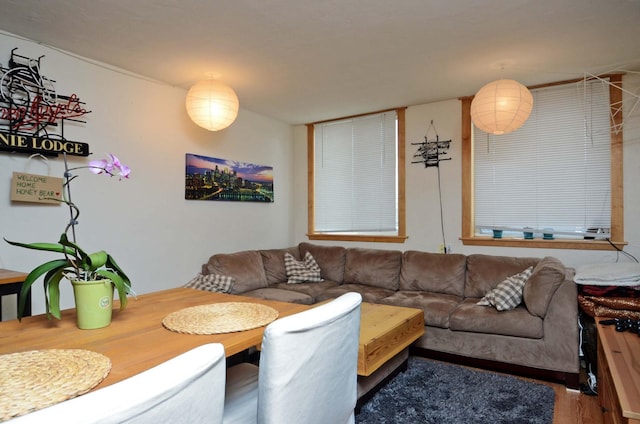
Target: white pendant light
212,104
501,106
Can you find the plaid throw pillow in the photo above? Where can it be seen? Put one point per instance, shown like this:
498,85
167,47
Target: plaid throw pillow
212,282
508,294
303,271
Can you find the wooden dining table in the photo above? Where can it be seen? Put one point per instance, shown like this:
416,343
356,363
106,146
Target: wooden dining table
136,339
11,283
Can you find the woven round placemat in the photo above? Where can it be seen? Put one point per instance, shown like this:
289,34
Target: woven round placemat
39,378
217,318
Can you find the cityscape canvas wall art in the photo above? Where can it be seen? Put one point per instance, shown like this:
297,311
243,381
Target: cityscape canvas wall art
208,178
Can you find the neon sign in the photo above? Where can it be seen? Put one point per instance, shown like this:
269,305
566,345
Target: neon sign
32,113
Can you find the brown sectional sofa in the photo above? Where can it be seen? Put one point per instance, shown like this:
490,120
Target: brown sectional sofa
539,337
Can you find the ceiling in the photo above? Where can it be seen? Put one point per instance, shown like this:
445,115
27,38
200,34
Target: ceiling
303,61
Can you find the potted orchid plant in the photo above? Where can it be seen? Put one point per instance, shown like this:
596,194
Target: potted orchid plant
82,269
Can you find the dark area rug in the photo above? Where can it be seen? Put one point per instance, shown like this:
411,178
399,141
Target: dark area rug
436,392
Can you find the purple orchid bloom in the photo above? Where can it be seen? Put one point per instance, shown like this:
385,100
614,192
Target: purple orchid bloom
124,171
112,166
98,166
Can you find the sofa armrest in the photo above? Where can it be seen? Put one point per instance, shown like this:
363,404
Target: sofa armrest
560,326
244,267
547,276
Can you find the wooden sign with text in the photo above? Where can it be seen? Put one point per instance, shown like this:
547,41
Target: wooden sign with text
35,188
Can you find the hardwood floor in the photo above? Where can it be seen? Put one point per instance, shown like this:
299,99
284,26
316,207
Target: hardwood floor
573,407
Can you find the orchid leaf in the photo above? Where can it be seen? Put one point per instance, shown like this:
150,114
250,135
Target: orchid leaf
55,265
82,258
64,240
98,259
117,281
50,247
54,294
111,264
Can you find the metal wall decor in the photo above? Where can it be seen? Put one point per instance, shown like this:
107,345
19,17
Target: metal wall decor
432,152
32,113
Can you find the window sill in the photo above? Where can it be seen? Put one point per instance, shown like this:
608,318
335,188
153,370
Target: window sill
545,244
363,238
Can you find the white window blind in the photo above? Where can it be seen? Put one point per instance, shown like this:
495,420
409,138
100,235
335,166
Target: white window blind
553,172
356,176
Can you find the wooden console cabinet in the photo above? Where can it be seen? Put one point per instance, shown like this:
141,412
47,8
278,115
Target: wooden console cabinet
618,375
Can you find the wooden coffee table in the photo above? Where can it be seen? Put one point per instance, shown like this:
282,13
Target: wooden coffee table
385,335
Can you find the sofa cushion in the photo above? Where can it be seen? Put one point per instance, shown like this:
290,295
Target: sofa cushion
329,258
369,293
373,267
311,289
517,322
547,276
303,271
433,272
280,295
436,306
485,272
508,294
273,262
212,282
245,267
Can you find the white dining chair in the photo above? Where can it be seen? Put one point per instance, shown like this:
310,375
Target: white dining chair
186,389
307,371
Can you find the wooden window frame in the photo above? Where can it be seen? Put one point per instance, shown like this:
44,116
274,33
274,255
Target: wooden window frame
617,193
402,229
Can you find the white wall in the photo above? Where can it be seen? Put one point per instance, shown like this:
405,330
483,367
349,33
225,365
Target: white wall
160,239
423,204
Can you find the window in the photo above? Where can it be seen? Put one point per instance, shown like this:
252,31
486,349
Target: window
356,178
559,174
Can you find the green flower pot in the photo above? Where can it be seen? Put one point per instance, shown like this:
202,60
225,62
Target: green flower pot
94,303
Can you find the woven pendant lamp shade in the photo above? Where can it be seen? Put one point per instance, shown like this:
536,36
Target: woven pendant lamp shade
212,105
501,106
